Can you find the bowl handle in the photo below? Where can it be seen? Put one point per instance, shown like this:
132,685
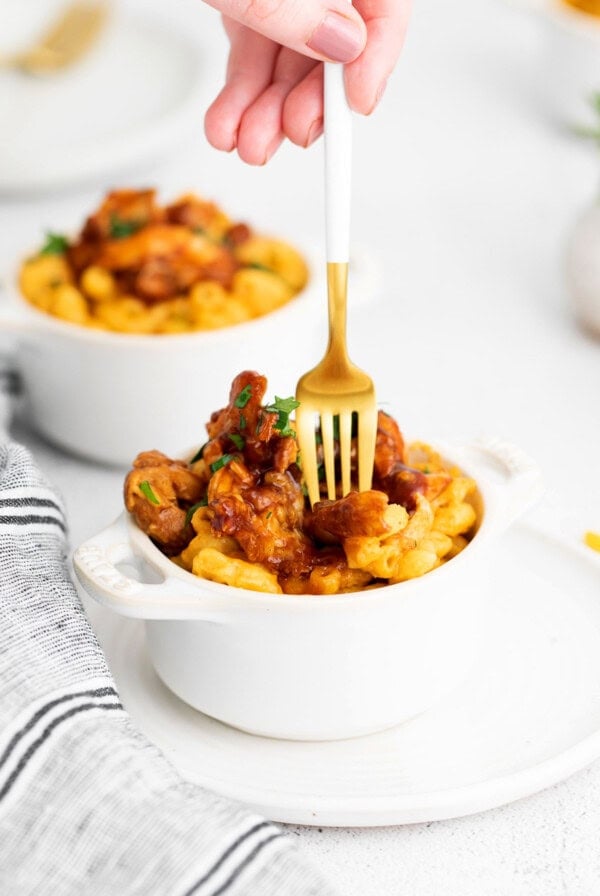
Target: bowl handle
99,563
513,477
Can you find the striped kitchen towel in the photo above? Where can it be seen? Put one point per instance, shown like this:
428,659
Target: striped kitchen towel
88,805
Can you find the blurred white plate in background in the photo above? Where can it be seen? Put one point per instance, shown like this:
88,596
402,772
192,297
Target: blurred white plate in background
135,96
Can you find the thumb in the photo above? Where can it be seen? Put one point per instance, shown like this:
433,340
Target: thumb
324,29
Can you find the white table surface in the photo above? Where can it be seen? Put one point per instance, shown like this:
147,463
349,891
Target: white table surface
464,194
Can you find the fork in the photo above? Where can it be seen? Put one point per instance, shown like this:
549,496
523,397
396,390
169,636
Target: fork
65,40
336,387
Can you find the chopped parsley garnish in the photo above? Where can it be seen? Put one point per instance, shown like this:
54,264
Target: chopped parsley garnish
244,397
119,228
201,231
56,244
426,470
146,490
199,453
283,407
257,266
221,462
193,509
238,441
270,514
353,426
242,422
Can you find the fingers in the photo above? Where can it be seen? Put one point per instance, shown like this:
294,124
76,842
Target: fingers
251,63
366,77
273,92
322,29
303,109
262,129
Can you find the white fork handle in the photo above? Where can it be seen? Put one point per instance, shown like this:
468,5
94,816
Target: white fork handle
338,163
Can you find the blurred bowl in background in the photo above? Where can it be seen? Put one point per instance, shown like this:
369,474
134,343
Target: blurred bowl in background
107,396
582,269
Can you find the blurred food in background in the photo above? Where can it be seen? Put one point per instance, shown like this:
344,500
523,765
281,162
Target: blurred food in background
139,267
65,40
592,7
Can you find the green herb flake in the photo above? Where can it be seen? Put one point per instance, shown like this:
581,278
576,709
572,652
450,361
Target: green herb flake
257,266
193,509
221,462
426,470
244,397
56,244
146,490
238,441
242,422
269,515
199,453
119,228
283,407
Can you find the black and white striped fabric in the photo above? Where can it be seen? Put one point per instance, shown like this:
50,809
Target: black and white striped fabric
87,805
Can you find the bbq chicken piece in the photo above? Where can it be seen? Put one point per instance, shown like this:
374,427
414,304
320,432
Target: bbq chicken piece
123,209
367,514
121,212
158,492
199,215
391,473
244,422
161,261
264,513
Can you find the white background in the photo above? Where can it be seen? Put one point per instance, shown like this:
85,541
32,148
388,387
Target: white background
465,191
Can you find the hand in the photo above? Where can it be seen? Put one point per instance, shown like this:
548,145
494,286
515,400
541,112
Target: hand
274,83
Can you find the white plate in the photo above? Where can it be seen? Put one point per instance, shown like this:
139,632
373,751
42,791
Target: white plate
527,717
136,94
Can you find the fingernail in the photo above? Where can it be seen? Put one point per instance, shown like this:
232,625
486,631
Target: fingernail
379,94
338,38
314,131
272,149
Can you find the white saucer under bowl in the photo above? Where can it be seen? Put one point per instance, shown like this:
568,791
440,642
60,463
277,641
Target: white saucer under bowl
527,717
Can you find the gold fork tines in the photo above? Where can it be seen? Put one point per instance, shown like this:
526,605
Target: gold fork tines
65,41
336,388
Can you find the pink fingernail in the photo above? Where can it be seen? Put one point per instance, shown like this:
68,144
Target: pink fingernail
272,149
338,38
314,131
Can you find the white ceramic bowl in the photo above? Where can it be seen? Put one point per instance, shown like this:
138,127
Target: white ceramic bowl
306,667
108,396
